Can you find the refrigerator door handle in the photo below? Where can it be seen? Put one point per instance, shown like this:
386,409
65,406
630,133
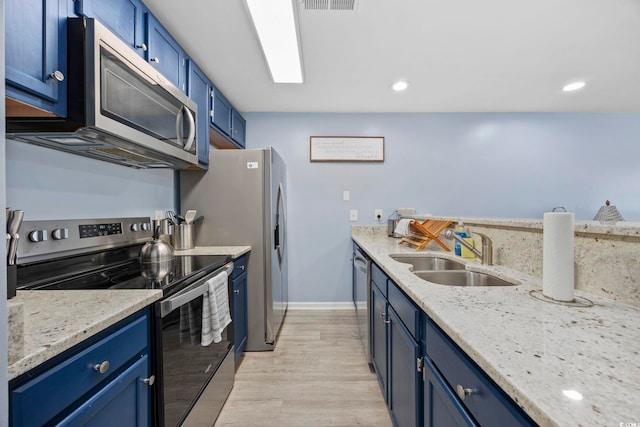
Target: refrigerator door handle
280,203
276,237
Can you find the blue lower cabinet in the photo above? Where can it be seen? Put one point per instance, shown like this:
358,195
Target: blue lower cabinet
118,403
379,337
100,381
440,407
239,303
405,379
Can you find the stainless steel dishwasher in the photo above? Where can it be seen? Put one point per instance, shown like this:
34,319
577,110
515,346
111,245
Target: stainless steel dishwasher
362,297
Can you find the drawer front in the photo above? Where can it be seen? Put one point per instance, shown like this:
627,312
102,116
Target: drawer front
239,266
60,386
488,404
408,313
379,278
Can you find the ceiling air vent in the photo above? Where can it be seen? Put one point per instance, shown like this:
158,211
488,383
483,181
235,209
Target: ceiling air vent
342,5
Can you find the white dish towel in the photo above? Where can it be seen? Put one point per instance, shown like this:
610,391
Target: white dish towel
215,309
402,227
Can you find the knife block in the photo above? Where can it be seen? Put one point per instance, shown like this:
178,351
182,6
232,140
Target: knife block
12,280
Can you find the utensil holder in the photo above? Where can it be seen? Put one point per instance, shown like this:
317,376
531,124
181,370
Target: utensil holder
184,236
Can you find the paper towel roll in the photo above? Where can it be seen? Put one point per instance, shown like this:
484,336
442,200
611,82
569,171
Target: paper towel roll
558,255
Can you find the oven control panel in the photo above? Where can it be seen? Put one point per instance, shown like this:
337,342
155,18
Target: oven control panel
42,240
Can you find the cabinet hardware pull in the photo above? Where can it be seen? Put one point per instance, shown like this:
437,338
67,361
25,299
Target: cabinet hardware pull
242,267
142,46
236,291
383,314
463,392
149,381
101,367
387,321
57,74
155,59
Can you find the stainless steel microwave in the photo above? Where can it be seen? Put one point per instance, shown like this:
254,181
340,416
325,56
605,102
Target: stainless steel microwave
120,108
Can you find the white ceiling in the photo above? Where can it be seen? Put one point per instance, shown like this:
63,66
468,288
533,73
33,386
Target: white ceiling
458,55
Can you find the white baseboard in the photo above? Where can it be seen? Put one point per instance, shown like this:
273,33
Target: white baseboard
321,306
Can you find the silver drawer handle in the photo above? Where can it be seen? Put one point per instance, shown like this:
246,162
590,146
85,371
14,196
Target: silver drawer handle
155,59
236,291
150,380
463,392
387,321
242,267
102,367
142,47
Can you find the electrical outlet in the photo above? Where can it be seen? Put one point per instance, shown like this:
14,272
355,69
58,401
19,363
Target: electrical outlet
345,195
378,215
353,215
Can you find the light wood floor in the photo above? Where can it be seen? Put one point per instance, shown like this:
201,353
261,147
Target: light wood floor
317,377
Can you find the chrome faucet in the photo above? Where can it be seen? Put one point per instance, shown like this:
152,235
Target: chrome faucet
487,246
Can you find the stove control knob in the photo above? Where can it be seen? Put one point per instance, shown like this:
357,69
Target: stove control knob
60,234
135,227
146,226
38,235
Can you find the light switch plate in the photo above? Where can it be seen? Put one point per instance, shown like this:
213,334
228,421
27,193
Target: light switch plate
345,195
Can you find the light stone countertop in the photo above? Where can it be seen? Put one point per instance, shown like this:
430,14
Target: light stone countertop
532,349
614,228
55,321
232,251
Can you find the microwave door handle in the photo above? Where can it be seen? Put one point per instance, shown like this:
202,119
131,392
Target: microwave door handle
192,130
179,136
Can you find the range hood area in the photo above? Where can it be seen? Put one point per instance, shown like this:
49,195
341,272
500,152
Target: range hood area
120,109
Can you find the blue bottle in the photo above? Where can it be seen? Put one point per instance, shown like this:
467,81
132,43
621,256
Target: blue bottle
462,232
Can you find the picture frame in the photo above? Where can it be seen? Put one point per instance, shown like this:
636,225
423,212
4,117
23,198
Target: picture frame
346,148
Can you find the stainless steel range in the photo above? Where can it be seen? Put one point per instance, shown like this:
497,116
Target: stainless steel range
192,380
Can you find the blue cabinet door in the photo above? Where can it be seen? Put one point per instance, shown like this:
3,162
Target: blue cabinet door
198,91
221,112
240,330
440,405
404,378
379,337
165,54
124,17
125,401
36,53
238,128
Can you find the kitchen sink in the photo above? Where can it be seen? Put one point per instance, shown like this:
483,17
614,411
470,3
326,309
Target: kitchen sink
429,262
461,278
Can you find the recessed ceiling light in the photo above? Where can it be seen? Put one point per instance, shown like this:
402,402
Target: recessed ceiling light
275,24
574,86
400,85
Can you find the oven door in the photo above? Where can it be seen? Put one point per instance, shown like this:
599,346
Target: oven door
187,365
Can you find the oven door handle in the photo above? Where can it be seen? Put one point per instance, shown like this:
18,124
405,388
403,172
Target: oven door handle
189,294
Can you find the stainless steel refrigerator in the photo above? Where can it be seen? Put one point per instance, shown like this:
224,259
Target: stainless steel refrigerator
242,198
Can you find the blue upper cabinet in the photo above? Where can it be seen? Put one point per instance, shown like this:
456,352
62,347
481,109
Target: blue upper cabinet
165,54
227,121
36,54
198,91
124,17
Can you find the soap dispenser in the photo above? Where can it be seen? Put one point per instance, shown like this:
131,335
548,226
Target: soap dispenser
462,232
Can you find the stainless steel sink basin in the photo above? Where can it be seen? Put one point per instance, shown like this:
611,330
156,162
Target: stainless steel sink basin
429,262
461,278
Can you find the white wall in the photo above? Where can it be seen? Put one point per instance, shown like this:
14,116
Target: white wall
459,164
50,184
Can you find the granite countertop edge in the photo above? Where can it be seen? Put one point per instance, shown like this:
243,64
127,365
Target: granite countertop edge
50,329
232,251
541,349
